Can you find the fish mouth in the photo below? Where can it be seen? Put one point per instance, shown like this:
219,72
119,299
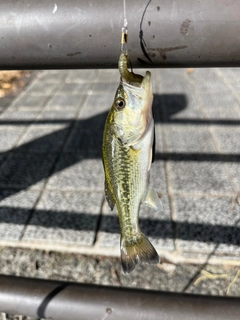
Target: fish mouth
135,84
127,76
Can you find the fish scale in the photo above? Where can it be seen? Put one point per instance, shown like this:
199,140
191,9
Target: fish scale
128,204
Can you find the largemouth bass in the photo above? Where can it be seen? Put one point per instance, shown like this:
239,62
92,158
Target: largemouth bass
127,156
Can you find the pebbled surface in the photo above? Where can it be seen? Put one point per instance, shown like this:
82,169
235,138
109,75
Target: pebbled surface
54,222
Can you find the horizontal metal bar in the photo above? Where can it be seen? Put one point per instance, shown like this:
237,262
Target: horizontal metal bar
62,300
86,34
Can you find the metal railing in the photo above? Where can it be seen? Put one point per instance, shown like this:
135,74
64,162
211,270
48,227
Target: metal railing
65,300
86,34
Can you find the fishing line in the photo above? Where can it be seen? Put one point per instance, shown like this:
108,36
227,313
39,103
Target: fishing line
124,30
125,23
142,42
125,34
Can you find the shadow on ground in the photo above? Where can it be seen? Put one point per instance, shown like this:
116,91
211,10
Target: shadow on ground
26,165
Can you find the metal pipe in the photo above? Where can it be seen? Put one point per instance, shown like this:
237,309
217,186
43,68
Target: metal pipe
62,300
86,34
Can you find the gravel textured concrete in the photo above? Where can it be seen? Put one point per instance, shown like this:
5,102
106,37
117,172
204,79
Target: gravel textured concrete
54,222
219,280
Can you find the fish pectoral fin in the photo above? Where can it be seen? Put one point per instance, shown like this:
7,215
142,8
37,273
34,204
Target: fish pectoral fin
134,251
109,197
152,200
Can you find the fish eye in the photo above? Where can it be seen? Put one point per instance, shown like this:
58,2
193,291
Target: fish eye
120,104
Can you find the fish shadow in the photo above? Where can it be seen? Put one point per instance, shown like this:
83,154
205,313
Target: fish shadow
37,160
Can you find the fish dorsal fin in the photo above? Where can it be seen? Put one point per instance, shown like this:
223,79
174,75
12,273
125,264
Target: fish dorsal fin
152,200
109,197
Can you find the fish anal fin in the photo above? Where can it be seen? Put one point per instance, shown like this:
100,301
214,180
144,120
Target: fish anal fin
152,200
109,197
140,251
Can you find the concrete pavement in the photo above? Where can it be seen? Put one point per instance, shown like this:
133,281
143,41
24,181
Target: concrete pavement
51,175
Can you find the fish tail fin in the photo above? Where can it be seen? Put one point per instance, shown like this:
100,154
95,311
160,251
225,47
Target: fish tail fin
133,252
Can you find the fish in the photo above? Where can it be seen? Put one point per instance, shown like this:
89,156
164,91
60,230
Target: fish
127,153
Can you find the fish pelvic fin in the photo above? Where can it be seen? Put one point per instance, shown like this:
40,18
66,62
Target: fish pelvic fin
152,200
139,251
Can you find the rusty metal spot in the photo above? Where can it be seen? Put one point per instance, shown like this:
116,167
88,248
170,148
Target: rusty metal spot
162,51
152,54
185,27
73,54
109,310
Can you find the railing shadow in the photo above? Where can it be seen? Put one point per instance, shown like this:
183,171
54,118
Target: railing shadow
155,228
32,162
